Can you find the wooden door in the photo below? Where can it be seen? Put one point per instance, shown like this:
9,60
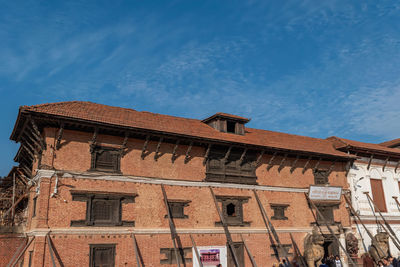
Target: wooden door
239,249
378,194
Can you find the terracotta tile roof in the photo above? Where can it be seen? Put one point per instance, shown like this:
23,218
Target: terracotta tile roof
341,143
391,143
125,117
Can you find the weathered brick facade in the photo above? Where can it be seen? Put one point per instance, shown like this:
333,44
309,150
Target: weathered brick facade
64,168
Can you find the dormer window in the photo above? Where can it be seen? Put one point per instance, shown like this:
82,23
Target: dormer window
227,123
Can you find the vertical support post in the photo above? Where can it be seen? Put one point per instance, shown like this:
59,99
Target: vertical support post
253,262
226,230
196,251
171,226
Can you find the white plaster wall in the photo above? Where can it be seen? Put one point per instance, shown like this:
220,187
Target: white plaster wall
360,203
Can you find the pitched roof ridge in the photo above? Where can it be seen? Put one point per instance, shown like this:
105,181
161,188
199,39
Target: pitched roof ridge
55,104
390,142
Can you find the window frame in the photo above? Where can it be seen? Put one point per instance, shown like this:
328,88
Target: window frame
115,152
92,247
181,204
321,177
116,201
279,208
238,201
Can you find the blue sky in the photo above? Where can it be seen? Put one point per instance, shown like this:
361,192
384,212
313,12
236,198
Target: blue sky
316,68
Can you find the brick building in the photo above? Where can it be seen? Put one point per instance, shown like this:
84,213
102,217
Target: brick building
95,176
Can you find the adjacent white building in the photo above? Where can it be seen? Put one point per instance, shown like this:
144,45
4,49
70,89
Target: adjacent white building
376,172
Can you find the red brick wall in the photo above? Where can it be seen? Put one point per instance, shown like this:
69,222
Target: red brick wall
9,244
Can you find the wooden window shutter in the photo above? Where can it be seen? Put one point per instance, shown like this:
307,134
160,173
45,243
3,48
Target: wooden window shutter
378,194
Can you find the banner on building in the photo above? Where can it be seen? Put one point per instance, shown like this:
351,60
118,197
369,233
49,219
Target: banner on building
328,193
211,256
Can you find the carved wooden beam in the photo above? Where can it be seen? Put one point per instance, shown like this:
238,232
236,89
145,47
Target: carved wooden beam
30,147
369,162
384,165
242,156
59,136
187,155
269,166
260,157
144,148
293,167
317,165
158,148
397,166
207,154
28,171
174,155
37,133
227,154
305,165
23,129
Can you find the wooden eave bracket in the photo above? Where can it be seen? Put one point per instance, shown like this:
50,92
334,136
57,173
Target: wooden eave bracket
144,148
156,154
397,166
37,134
281,165
370,160
93,142
331,167
207,154
124,144
306,164
258,161
187,155
174,154
59,136
242,157
228,152
269,166
317,165
293,167
384,165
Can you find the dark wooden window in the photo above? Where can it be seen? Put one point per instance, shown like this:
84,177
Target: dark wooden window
230,126
378,194
177,208
102,255
232,210
279,211
326,211
277,251
321,177
239,251
170,258
231,169
106,159
103,209
34,207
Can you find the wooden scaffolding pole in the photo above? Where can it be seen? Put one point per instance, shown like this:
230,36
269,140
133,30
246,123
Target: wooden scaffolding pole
226,230
269,225
135,246
394,238
13,263
253,262
171,226
18,251
196,251
51,250
297,250
330,230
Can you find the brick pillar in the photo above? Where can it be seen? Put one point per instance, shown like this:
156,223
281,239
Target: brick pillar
42,204
39,251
